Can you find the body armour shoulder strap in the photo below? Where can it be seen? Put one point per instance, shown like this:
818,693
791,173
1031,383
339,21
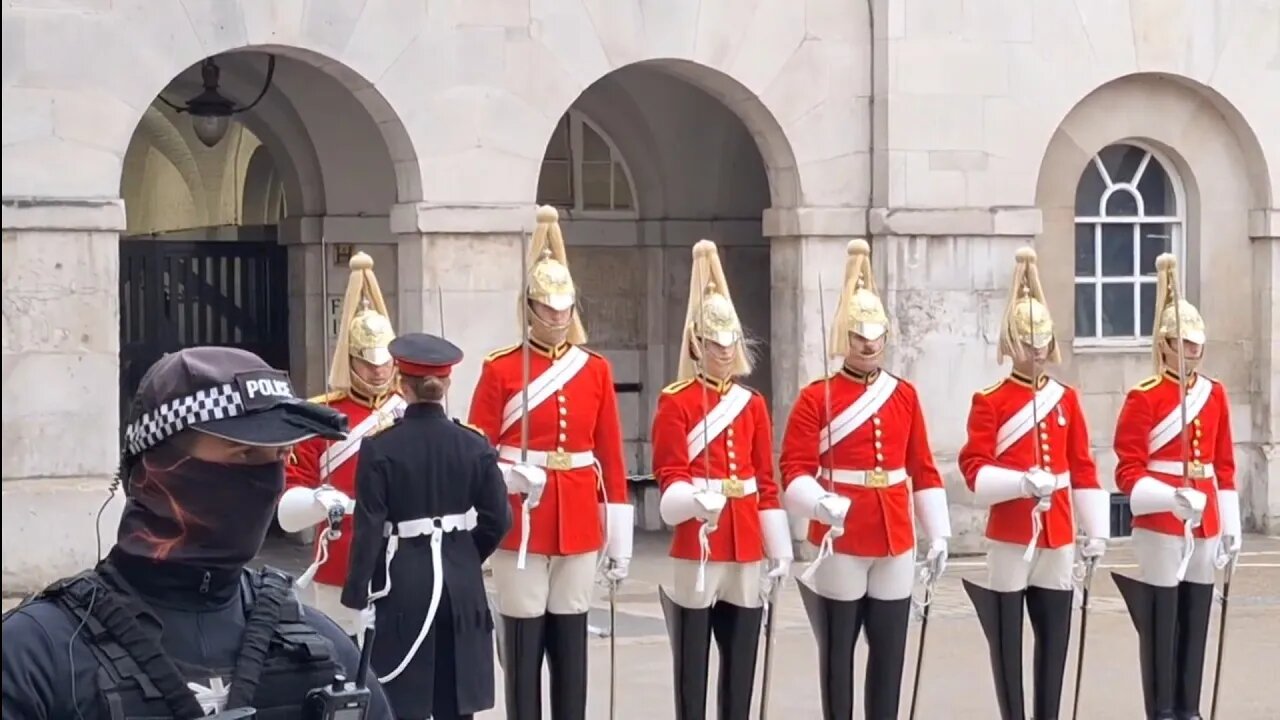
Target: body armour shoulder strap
281,657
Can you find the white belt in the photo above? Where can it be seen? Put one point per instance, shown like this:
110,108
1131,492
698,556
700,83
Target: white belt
553,460
866,478
1061,482
727,487
436,528
1195,469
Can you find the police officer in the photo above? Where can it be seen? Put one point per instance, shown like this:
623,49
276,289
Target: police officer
172,623
431,506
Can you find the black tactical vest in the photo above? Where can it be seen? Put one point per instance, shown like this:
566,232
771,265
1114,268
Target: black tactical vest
281,657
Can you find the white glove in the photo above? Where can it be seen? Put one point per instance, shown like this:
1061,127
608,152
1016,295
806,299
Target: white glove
1038,483
1189,504
832,509
616,569
1091,548
708,506
775,577
936,558
1230,545
367,618
528,480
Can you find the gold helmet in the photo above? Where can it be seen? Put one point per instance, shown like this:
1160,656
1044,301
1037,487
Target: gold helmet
1175,317
710,315
549,281
859,310
1026,316
364,331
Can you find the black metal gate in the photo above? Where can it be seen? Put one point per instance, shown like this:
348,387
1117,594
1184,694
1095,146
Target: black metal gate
177,294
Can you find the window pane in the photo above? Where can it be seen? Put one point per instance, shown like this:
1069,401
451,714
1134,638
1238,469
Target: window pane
621,189
558,147
1086,322
1121,161
1156,238
595,185
1117,310
1117,250
1122,203
594,148
1085,255
554,184
1089,191
1147,311
1157,190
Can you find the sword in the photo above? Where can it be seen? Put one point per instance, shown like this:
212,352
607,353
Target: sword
1222,636
524,352
613,649
440,311
824,549
1089,566
929,580
769,619
1189,523
1044,503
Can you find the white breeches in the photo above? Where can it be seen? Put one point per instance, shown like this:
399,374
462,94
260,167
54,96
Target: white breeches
559,584
328,600
736,583
849,577
1049,569
1159,556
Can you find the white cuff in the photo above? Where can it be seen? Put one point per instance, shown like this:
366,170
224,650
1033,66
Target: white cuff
996,485
677,504
932,512
1093,512
1229,512
777,534
1150,496
802,496
619,530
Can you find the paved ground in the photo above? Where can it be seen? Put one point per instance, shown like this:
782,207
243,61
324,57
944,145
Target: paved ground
957,683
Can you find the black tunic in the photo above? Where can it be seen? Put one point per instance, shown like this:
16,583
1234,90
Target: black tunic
427,465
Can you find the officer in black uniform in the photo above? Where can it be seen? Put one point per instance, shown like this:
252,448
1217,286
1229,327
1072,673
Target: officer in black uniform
431,505
172,624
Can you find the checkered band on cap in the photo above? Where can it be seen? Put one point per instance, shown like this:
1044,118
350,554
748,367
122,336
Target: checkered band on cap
154,427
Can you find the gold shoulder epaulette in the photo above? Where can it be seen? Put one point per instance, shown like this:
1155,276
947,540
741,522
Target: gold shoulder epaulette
328,397
992,388
1147,384
501,352
676,386
589,351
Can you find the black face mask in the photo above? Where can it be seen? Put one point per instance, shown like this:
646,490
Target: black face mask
183,510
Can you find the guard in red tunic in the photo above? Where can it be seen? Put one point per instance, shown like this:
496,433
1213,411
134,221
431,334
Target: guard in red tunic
1175,461
713,458
1028,458
363,383
855,462
549,406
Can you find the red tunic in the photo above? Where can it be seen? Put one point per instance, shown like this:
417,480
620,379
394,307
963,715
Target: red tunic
1209,441
894,437
1063,438
304,470
742,451
582,416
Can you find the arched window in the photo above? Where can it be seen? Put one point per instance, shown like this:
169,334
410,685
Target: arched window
1129,209
583,172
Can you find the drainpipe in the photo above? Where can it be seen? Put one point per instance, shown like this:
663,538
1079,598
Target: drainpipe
871,120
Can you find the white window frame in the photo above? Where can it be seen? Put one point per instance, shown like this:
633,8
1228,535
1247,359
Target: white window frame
1177,223
577,119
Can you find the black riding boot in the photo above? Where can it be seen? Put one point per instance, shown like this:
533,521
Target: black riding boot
567,661
690,632
1001,616
523,643
1154,611
835,624
1195,600
1050,615
737,633
886,623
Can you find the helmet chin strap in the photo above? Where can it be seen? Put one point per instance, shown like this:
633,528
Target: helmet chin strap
1169,356
538,326
367,388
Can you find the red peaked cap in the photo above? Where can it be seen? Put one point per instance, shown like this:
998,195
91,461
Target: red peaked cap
423,355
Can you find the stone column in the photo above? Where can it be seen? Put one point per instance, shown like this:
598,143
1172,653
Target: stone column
1259,469
61,385
459,276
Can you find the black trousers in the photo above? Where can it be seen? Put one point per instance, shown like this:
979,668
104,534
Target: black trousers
444,706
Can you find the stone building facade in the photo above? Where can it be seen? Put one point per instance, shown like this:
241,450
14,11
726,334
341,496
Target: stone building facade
950,132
